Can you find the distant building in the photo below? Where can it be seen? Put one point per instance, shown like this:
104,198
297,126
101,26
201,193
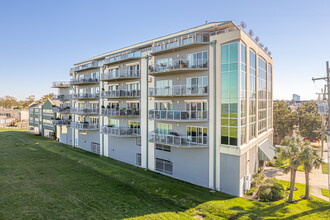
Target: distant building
296,97
10,116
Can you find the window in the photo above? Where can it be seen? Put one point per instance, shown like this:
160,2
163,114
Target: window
164,166
198,109
164,87
133,105
134,126
270,97
197,135
243,94
114,123
163,105
133,71
133,86
262,95
94,120
197,85
138,159
163,147
198,60
163,129
113,87
252,96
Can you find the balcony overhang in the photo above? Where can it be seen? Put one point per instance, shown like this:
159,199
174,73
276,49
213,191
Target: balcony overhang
119,79
122,61
193,146
192,45
177,71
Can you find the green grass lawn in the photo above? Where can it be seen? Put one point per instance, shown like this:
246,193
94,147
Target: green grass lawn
325,168
325,192
41,179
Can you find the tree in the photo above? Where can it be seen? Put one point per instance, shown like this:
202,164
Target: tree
309,120
8,102
292,151
310,159
45,97
284,119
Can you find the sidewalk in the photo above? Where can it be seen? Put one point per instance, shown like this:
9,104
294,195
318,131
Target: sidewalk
317,179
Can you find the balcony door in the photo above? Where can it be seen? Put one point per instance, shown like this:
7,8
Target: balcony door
164,87
113,73
197,109
197,135
196,85
163,129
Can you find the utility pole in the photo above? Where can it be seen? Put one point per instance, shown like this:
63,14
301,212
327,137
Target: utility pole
327,78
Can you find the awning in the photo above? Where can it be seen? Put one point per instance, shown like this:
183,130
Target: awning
266,151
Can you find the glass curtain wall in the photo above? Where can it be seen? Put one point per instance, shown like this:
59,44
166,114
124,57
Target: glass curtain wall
252,95
243,94
270,96
262,95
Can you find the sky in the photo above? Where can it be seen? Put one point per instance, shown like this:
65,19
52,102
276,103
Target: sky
41,40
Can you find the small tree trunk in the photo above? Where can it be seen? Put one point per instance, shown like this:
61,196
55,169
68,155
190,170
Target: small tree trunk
292,185
307,185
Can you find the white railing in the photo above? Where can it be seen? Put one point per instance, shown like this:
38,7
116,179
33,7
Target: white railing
120,93
85,126
179,141
85,95
197,38
84,80
120,74
48,113
60,84
124,56
61,97
84,110
121,131
178,90
48,124
125,113
178,115
85,66
180,64
61,122
61,109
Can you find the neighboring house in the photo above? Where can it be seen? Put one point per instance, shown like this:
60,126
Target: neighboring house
195,105
13,116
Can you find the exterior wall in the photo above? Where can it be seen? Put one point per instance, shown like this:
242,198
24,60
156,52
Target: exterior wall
229,174
85,140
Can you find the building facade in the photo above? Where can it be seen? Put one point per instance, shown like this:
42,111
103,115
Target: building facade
195,105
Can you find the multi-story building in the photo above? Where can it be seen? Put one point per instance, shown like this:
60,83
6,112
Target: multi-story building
295,97
195,105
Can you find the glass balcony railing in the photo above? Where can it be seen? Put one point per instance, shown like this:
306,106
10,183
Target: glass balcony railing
61,122
61,97
179,115
61,109
121,113
85,96
62,84
120,74
85,125
179,90
179,65
84,81
178,141
84,111
86,66
123,57
126,132
121,94
172,44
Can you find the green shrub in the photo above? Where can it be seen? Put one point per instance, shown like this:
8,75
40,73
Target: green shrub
271,191
251,191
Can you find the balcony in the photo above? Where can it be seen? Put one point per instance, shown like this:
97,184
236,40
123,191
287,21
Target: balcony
85,126
51,125
121,132
178,141
121,94
85,96
85,111
179,115
63,110
92,65
61,122
178,66
120,75
61,97
123,58
84,81
178,90
62,84
180,43
121,113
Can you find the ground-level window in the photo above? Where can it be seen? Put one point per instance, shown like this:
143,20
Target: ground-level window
164,166
138,159
95,147
163,147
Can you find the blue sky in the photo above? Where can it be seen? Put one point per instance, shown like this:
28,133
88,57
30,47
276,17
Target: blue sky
41,40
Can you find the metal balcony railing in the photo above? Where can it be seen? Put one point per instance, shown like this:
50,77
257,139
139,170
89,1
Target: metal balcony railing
122,57
179,115
84,81
197,38
61,97
61,109
61,84
84,111
85,95
85,66
47,124
85,125
178,141
180,64
120,93
179,90
120,113
133,132
120,74
61,122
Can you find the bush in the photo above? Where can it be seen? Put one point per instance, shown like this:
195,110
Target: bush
251,191
257,179
271,191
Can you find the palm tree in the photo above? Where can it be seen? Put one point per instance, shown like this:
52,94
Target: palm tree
310,159
294,146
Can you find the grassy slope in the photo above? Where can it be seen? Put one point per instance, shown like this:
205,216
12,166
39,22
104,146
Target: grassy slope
44,179
325,192
325,168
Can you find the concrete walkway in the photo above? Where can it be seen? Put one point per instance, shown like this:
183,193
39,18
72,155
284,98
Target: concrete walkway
318,180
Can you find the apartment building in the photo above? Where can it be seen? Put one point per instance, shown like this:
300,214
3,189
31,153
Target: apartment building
195,105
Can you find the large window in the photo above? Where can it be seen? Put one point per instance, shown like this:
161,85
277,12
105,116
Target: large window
164,87
134,126
197,135
252,96
262,95
243,94
164,129
229,94
198,60
270,96
133,71
197,85
163,105
114,123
